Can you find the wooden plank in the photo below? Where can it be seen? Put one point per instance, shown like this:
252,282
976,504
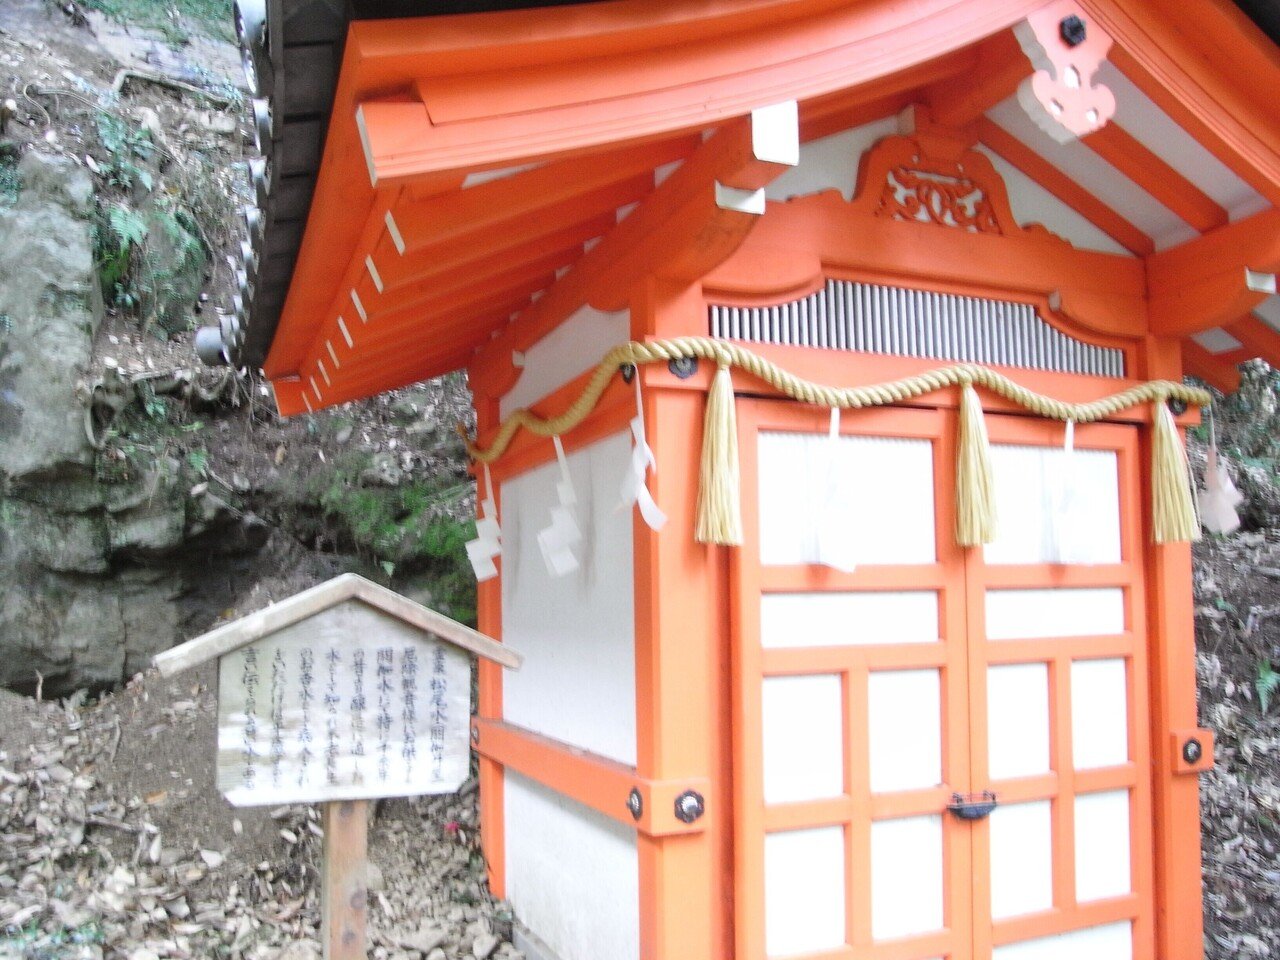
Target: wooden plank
226,638
343,895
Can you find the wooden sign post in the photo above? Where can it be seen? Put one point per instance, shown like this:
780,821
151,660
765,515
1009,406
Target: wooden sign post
341,694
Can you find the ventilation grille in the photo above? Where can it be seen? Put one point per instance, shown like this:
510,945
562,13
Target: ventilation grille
914,323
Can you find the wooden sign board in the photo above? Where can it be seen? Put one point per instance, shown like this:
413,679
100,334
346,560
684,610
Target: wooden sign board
346,691
348,704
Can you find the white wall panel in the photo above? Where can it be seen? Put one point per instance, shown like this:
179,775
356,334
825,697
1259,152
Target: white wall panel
1052,507
904,726
1102,845
804,892
1099,713
1054,612
830,163
1157,131
1113,941
573,874
790,620
1017,720
1032,203
906,877
1098,176
574,347
877,495
577,632
803,738
1021,859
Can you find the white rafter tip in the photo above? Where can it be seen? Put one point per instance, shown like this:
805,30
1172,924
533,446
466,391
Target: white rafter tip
775,133
346,334
518,359
333,355
393,231
355,298
744,201
1260,282
373,273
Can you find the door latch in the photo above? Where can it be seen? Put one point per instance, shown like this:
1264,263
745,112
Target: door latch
974,806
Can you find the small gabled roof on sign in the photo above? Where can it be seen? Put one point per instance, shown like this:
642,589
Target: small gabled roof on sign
318,599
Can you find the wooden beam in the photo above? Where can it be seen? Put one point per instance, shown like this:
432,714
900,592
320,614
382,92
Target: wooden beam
1001,66
1219,370
693,220
1203,283
1146,168
1064,188
453,216
1257,338
554,231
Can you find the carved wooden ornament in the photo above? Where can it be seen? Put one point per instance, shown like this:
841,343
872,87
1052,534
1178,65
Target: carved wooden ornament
1066,47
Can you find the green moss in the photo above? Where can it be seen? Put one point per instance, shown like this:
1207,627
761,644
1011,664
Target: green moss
408,529
173,18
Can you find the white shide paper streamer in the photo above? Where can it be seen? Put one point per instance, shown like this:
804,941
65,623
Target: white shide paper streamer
488,541
634,489
558,540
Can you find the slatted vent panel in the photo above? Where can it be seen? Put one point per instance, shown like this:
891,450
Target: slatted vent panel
864,317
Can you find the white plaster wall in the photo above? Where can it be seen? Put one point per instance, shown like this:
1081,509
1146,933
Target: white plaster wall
573,874
577,632
572,348
830,163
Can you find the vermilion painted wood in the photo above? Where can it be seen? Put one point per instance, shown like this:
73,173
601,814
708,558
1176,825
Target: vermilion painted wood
1065,189
1217,369
1188,60
1059,653
1001,67
1100,291
1145,168
1179,921
489,690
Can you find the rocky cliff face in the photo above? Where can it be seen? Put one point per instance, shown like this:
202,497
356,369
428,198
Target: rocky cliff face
94,562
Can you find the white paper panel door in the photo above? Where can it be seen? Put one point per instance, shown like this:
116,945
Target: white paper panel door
1058,652
880,700
853,672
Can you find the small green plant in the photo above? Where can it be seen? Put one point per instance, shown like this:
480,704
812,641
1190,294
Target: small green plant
174,19
1267,683
198,461
120,233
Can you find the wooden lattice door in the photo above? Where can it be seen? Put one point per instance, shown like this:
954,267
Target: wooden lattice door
875,708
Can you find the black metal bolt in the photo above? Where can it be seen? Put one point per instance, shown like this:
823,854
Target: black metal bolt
1177,406
690,806
683,367
628,371
1072,30
1192,751
635,804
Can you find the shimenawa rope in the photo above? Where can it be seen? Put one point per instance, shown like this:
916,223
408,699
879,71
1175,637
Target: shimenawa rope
719,514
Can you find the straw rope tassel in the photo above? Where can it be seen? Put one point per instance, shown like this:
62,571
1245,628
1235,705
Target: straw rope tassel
719,500
1173,511
975,490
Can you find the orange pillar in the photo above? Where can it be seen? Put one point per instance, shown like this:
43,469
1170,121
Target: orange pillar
489,621
681,677
1171,615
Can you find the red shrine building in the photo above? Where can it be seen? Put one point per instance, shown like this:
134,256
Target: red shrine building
798,702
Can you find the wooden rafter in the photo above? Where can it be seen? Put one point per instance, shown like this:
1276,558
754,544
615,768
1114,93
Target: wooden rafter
1000,68
1145,168
1203,283
1064,188
1219,370
683,224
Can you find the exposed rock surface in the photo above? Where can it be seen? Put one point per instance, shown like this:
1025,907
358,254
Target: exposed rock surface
91,572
